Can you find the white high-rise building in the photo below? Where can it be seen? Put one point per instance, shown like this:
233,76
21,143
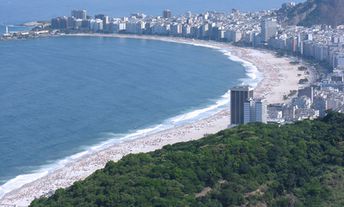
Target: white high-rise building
176,29
97,25
255,111
249,111
269,29
260,111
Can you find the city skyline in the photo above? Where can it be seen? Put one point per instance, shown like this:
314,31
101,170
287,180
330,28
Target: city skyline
16,11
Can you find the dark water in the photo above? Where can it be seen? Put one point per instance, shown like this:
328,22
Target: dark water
58,95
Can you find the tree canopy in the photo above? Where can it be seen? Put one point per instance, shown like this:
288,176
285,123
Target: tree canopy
299,164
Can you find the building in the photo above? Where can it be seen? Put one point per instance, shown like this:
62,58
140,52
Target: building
320,103
308,92
233,35
269,29
86,24
99,16
255,111
135,27
77,24
96,25
239,95
176,29
167,14
261,111
289,113
249,111
59,23
337,78
70,22
106,20
79,14
275,112
186,30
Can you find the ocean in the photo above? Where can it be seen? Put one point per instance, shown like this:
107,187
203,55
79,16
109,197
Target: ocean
60,96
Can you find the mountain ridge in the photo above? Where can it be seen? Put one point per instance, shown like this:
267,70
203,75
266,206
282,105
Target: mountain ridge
313,12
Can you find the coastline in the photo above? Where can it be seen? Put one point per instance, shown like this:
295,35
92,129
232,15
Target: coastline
273,77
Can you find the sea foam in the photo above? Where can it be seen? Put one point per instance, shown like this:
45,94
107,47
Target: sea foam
254,76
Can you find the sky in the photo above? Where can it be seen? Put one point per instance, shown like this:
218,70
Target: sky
19,11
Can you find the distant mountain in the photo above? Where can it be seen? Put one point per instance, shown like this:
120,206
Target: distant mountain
300,164
312,12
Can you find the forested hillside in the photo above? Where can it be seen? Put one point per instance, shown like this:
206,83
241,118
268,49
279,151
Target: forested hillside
254,165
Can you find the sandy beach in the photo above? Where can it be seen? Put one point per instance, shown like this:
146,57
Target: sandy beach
276,78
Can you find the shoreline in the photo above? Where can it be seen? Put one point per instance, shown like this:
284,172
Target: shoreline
250,58
278,78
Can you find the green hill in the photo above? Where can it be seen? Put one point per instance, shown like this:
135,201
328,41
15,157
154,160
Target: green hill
314,12
254,165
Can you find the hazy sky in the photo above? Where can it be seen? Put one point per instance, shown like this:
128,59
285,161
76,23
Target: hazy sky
15,11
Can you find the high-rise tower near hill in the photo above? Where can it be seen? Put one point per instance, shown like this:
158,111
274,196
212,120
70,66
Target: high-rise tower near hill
255,111
269,28
239,95
167,14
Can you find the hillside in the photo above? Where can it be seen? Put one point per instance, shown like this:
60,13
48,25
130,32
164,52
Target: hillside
254,165
313,12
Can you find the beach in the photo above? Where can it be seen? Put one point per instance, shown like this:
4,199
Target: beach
273,78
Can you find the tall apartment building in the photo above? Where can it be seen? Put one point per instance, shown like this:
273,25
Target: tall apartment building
255,111
261,111
167,14
59,23
79,14
239,95
269,29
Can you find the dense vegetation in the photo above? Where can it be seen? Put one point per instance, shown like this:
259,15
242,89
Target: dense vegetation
254,165
313,12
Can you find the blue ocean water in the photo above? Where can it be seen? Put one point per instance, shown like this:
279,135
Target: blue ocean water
60,95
